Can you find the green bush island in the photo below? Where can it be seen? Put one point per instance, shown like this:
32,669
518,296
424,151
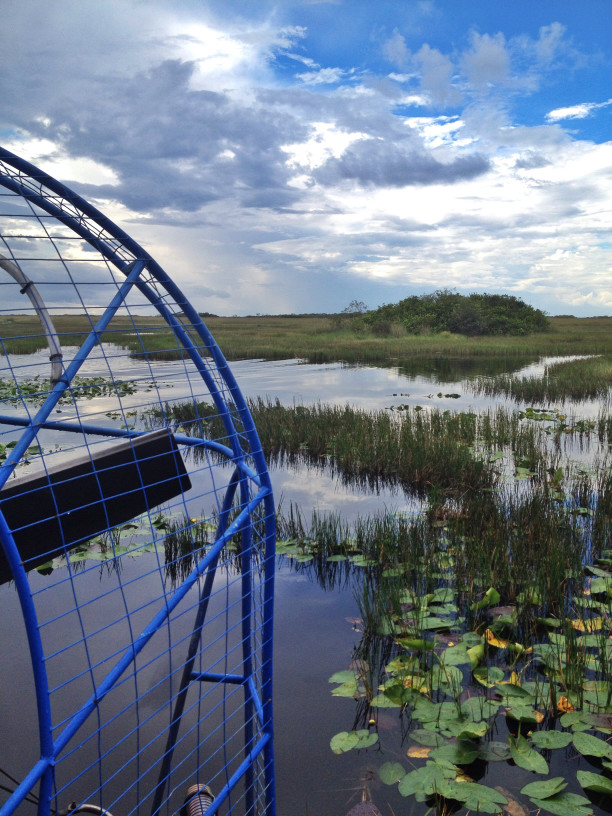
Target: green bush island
472,315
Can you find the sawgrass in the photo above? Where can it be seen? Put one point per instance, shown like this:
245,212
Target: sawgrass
315,338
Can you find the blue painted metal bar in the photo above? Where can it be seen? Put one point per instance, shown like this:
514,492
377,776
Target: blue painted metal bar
196,635
41,684
247,660
236,777
140,642
118,248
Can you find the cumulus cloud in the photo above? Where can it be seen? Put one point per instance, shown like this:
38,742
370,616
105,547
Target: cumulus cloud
232,148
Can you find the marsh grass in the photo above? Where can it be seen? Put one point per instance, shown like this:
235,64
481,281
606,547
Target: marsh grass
488,612
421,451
315,338
582,379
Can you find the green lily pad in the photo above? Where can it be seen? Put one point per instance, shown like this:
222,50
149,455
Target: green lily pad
455,655
416,644
488,676
347,740
544,788
476,653
425,781
595,782
430,739
461,752
479,708
565,804
512,694
382,701
491,598
588,745
551,740
445,676
399,694
525,756
345,676
362,561
476,798
495,751
391,772
524,714
473,730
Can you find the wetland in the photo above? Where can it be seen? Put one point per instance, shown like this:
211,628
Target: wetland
444,587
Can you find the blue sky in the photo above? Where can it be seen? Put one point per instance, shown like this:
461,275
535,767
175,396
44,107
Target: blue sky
293,156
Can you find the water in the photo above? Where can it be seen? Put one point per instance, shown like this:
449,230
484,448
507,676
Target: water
315,629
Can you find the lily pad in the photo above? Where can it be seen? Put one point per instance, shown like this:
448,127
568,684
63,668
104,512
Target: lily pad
347,740
428,738
588,745
475,797
391,772
525,756
425,781
550,740
544,788
495,751
595,782
488,676
461,752
565,804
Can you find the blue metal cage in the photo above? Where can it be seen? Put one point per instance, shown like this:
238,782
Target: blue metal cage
137,531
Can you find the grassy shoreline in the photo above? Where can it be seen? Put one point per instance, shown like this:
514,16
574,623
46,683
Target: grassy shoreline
316,339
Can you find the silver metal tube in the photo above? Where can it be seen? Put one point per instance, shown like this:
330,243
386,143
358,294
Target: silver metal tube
28,288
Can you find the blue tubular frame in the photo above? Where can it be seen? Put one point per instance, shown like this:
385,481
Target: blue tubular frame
250,470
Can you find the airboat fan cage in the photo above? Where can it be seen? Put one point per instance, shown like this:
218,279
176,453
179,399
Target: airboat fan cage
137,529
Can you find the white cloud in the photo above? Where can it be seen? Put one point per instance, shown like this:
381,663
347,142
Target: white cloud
580,111
324,76
250,184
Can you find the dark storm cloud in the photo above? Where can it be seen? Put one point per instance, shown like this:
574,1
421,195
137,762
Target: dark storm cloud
377,163
173,147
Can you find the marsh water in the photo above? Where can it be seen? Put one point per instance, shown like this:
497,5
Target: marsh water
317,618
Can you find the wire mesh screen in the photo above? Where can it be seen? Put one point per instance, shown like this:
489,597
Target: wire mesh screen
137,531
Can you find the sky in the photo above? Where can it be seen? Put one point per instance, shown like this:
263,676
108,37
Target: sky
294,156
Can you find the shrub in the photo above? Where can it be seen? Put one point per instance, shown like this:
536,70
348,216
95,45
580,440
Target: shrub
471,315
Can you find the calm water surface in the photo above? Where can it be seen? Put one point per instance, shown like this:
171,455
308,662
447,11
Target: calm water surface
315,628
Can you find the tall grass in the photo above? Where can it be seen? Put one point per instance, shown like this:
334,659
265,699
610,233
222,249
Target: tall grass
315,339
569,380
423,452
